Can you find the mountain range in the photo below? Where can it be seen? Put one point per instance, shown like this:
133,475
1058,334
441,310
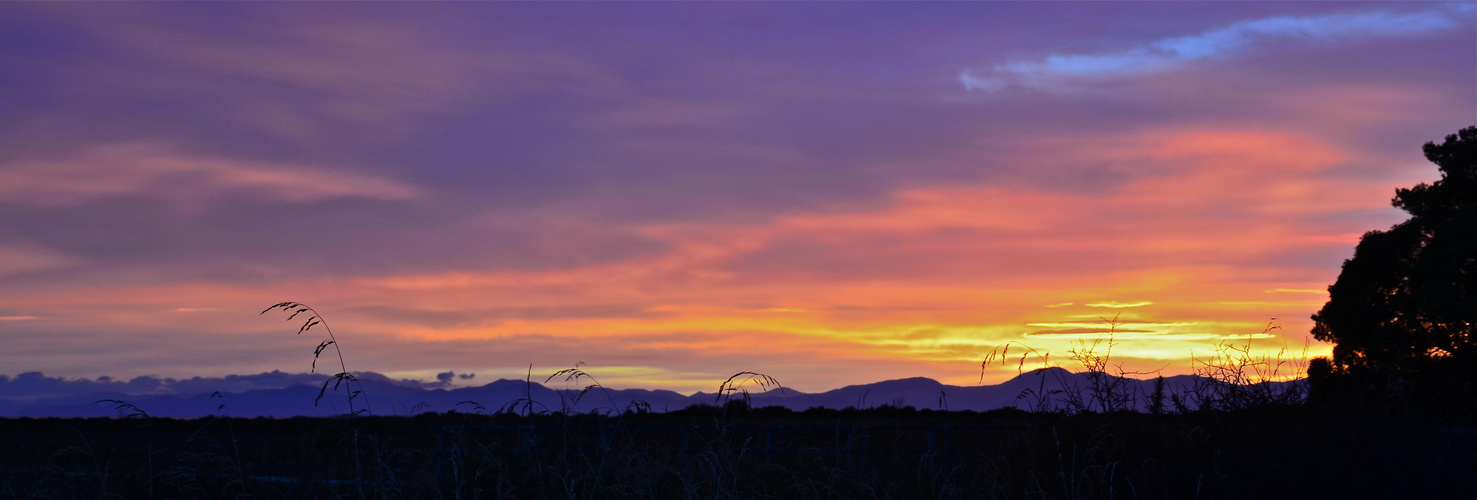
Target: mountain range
32,395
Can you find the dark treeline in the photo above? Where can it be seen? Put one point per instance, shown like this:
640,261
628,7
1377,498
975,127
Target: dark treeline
1403,312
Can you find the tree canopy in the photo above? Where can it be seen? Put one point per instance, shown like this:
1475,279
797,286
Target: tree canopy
1403,310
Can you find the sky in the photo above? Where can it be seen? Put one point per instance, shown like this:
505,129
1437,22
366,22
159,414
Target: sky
670,193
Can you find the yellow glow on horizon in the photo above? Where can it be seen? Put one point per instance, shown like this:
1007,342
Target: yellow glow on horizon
1119,305
925,284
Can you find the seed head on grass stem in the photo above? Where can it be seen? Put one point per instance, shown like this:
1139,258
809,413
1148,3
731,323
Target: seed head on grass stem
1002,353
1039,397
575,375
343,377
125,409
735,384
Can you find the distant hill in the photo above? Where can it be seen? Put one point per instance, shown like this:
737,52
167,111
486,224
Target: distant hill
1048,387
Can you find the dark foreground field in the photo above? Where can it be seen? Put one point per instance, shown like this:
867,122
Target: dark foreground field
1283,452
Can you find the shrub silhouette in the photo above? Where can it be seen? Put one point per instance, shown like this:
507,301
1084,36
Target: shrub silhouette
1403,311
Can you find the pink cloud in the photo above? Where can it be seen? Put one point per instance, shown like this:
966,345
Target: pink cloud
929,282
16,259
159,172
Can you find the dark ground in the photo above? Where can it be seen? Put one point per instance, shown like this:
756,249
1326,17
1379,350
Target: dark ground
705,452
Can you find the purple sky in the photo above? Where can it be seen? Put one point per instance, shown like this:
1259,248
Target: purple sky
829,192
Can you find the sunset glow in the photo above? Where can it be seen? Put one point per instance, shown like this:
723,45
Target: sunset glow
830,194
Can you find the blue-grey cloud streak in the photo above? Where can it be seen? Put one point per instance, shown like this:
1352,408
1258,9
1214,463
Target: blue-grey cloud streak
1063,72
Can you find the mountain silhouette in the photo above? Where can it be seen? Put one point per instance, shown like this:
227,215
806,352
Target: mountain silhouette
1045,388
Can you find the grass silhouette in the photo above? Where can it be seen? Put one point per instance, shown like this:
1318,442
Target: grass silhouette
1229,438
343,377
1232,378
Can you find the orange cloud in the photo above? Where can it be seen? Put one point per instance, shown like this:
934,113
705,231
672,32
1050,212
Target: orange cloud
1200,245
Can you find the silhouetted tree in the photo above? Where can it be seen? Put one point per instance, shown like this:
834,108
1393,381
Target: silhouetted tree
1403,311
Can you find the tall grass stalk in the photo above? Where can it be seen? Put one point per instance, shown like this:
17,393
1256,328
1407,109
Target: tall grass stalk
1107,391
735,385
576,375
240,472
1038,397
1232,377
344,376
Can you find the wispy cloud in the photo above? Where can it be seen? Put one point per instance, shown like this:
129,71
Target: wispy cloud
1061,72
1119,305
155,171
16,259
